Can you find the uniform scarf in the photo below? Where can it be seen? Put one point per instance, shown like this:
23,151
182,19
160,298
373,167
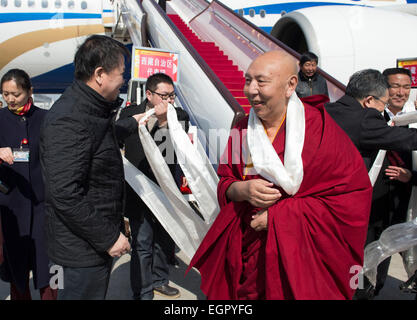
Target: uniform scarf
24,109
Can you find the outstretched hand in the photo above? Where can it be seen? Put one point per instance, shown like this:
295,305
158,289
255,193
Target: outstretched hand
139,116
398,173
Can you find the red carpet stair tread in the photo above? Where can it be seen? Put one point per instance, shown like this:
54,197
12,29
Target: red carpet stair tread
224,68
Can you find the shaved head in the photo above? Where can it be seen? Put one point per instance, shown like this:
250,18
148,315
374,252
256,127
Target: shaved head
282,62
270,81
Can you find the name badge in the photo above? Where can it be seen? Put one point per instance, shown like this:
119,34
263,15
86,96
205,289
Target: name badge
21,155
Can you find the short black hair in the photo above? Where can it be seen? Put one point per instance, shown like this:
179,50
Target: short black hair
98,51
157,78
368,82
308,56
391,71
19,76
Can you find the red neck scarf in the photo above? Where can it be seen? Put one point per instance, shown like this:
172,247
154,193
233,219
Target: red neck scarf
24,109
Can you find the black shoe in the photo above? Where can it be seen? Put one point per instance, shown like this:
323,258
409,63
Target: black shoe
174,262
367,293
167,291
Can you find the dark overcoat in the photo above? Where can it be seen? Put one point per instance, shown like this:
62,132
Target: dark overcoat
84,178
368,130
22,209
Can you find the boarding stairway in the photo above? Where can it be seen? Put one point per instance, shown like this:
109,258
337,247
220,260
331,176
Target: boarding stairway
222,66
215,47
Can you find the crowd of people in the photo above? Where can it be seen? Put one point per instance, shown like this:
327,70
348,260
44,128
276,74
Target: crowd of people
295,195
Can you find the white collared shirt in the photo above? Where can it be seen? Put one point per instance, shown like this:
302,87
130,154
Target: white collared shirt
391,115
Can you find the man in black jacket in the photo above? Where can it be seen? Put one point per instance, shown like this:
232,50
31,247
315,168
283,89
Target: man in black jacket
152,247
309,81
359,114
83,171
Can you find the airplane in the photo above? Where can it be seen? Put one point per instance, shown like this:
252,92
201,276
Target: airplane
347,35
41,36
266,13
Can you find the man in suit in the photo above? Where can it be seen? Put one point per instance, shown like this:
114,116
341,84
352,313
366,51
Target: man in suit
359,114
399,81
152,247
398,175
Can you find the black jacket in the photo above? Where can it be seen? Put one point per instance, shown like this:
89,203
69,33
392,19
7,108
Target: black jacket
22,209
83,174
311,86
134,153
368,129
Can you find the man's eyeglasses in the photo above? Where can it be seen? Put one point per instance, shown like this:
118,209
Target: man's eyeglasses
171,95
386,104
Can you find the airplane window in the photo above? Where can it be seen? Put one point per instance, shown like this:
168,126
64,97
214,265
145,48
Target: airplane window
18,3
58,4
262,13
84,5
45,4
240,12
252,13
31,3
3,3
71,4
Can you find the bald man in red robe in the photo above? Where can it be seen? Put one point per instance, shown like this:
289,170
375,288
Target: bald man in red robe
294,209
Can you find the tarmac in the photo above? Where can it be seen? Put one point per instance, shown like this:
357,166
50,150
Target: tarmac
189,285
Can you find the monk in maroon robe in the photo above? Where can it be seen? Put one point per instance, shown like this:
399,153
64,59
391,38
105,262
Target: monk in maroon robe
267,244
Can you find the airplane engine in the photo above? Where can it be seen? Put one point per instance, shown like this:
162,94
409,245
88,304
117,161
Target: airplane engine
349,38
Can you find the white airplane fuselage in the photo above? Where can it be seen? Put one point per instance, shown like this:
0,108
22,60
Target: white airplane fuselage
41,37
266,13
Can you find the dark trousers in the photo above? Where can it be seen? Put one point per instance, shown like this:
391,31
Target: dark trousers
151,249
88,283
369,292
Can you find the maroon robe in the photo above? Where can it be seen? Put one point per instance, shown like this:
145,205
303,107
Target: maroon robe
313,238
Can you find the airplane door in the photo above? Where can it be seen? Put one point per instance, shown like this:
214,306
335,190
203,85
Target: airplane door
108,13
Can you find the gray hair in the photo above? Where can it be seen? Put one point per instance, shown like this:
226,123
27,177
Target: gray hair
368,82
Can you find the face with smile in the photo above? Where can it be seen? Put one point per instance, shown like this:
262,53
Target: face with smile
378,103
15,96
399,91
108,83
269,83
309,68
163,91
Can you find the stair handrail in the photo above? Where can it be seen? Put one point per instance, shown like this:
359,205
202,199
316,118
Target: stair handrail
234,105
279,43
138,38
143,28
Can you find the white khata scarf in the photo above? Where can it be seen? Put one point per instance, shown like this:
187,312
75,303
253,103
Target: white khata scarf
166,202
264,157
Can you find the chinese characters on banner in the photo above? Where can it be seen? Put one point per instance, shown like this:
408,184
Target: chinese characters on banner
410,64
150,61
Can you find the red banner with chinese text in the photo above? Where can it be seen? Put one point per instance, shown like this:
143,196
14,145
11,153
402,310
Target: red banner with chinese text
150,61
